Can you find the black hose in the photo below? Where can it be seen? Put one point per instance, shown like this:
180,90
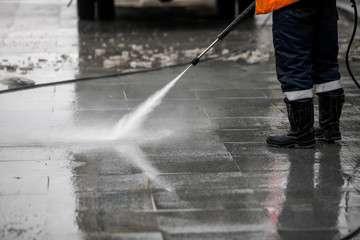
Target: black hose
350,43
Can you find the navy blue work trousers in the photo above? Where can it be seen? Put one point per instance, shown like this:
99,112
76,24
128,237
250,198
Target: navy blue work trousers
305,38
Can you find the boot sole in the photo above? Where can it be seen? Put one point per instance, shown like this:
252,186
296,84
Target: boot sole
306,145
329,140
332,139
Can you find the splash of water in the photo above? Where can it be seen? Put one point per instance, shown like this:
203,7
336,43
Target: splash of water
133,120
137,157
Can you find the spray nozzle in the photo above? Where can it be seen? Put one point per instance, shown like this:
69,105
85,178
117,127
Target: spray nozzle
195,61
353,3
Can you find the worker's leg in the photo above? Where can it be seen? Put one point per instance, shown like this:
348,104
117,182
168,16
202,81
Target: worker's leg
325,72
293,34
293,39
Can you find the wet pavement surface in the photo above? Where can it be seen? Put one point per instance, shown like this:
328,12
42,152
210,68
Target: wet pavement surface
197,169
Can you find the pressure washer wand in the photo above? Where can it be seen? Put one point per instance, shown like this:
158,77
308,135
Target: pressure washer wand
226,31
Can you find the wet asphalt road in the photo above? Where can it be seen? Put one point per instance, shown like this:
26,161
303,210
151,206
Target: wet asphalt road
197,169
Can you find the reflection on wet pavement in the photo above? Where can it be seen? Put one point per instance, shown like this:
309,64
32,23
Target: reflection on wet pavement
198,167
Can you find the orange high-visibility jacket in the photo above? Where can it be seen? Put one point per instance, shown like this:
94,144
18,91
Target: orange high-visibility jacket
265,6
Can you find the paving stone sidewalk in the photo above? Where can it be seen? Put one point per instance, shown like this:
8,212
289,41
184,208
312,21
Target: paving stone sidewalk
197,169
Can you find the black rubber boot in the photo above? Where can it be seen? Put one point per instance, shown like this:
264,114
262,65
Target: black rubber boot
330,107
301,133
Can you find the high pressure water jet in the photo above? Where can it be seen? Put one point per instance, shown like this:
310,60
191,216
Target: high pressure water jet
133,120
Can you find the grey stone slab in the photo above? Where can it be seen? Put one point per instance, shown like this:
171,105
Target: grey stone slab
350,115
125,236
179,126
27,106
88,119
224,235
31,95
104,163
185,163
349,136
309,234
349,155
206,199
91,104
90,88
350,163
249,123
111,183
92,220
203,180
352,224
310,218
234,76
248,163
177,222
269,196
83,96
29,168
214,221
260,150
227,180
168,104
243,135
203,143
353,199
191,151
236,111
193,147
348,125
20,183
249,150
32,153
263,158
196,152
120,201
98,115
231,94
351,100
254,102
23,127
87,96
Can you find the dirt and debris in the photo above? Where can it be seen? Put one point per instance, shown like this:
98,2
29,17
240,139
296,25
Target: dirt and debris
10,68
250,57
17,81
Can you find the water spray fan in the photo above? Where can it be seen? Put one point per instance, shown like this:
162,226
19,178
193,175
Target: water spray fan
226,31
